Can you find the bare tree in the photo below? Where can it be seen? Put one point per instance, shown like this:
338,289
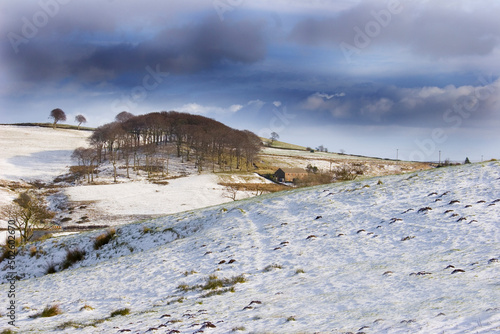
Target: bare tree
27,213
58,115
274,136
347,172
88,159
231,191
321,148
80,119
123,116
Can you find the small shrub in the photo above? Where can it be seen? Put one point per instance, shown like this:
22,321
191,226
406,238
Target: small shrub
300,271
33,251
51,268
291,319
122,311
104,238
36,251
48,311
146,229
72,257
187,273
5,253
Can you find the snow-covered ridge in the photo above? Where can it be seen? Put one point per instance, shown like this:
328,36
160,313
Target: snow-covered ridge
412,253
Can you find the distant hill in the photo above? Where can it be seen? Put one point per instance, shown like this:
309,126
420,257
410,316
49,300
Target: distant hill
282,145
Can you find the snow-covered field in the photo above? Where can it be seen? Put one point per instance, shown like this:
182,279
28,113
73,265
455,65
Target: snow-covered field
34,153
31,153
414,253
328,161
143,198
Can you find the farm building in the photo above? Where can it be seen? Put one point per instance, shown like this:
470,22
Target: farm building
289,174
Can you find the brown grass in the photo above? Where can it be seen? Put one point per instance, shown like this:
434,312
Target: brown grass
260,187
104,238
48,311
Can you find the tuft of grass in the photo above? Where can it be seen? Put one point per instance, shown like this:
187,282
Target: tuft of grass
171,230
104,238
33,251
8,331
271,267
192,272
72,257
186,288
122,312
300,271
48,311
70,324
178,300
86,308
51,268
146,229
215,283
240,328
292,318
218,292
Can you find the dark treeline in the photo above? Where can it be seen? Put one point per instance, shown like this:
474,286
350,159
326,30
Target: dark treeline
147,141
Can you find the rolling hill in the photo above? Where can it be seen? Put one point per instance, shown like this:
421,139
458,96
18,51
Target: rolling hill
413,253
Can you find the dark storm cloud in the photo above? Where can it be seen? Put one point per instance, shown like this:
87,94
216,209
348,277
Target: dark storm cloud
82,56
432,28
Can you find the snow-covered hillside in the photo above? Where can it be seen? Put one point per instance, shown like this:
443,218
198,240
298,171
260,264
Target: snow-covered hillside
31,153
415,253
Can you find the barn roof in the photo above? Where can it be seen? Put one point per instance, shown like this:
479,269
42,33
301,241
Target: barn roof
293,170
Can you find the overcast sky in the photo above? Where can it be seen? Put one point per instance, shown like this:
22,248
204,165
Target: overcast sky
368,77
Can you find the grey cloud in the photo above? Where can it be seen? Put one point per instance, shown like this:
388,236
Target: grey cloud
431,28
424,106
65,52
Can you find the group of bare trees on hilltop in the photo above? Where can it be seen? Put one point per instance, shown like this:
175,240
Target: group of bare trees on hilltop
147,141
59,115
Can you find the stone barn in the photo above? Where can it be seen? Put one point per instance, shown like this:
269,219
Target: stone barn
289,174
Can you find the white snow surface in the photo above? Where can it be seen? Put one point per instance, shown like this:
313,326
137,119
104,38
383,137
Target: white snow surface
37,153
363,256
144,198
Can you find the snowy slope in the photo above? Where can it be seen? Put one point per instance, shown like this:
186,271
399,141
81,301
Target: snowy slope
31,153
144,198
366,256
